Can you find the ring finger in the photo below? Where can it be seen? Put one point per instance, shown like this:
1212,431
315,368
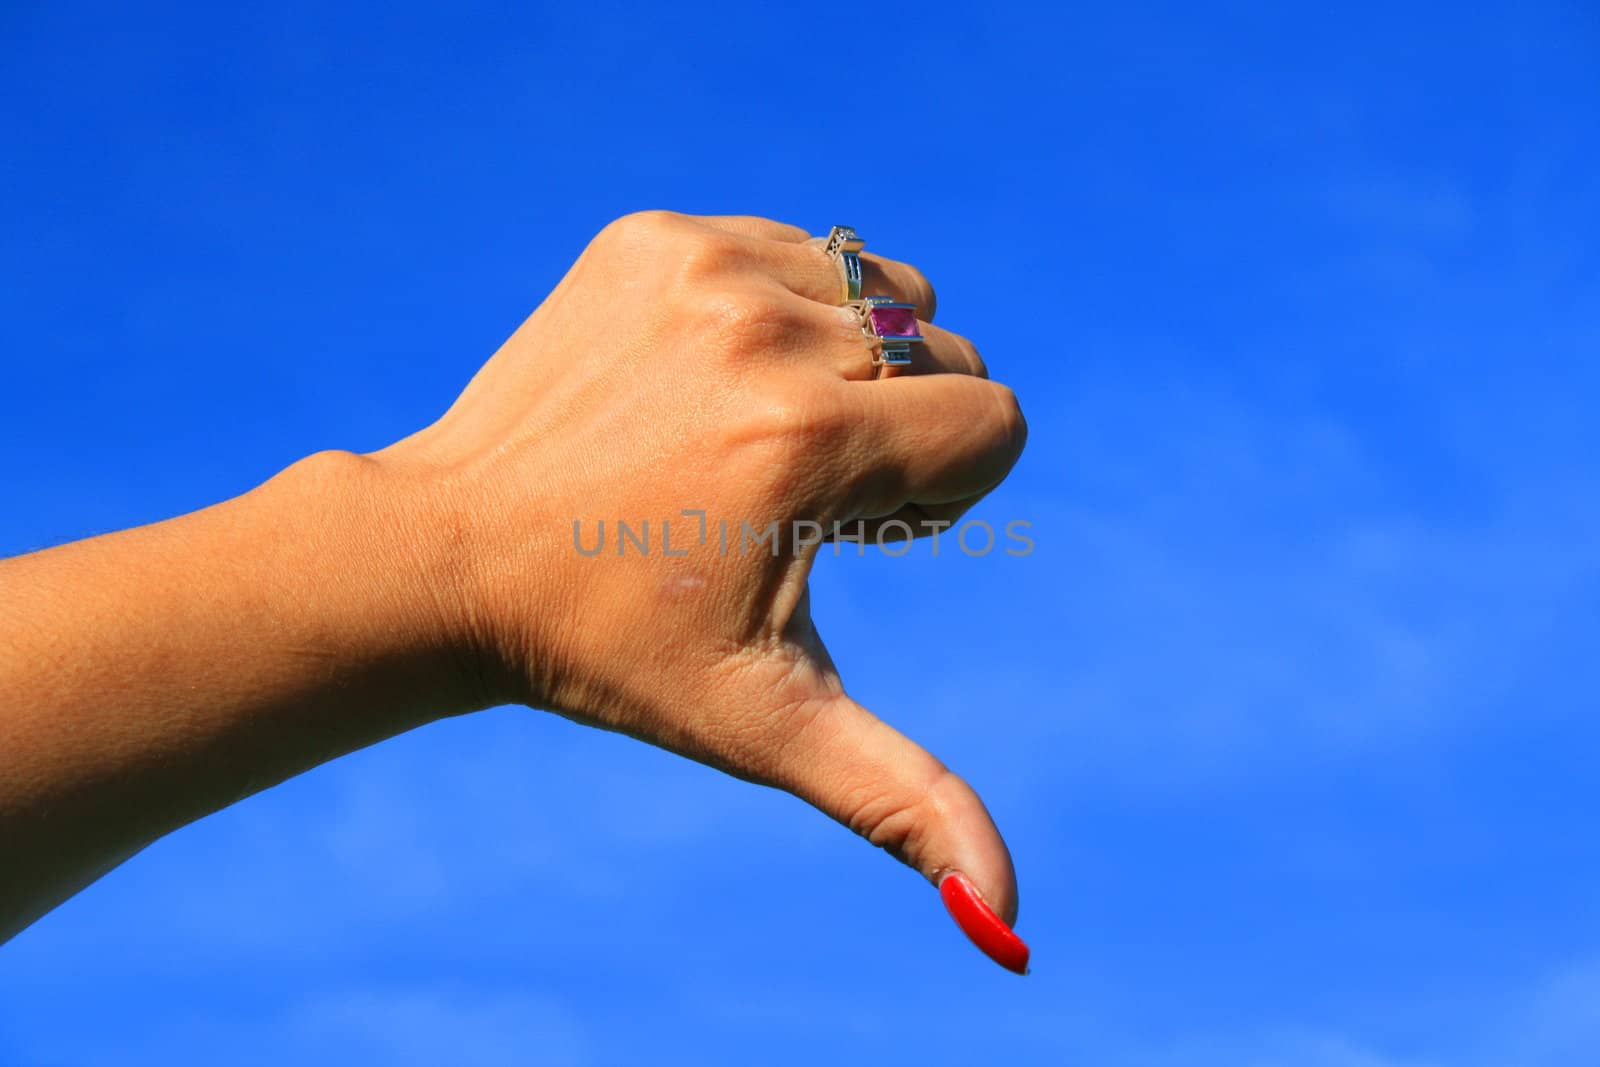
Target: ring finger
940,352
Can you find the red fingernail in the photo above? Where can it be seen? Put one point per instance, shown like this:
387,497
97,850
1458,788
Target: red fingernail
986,929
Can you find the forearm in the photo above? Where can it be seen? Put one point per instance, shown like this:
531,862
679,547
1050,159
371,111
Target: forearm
152,676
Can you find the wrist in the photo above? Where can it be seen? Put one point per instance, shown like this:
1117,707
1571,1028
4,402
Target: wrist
386,577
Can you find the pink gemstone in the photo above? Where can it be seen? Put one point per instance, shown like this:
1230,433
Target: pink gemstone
894,322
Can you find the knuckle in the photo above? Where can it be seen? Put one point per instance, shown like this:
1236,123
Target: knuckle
636,239
641,225
974,361
745,321
707,254
632,232
1009,418
798,420
733,321
797,432
905,822
922,294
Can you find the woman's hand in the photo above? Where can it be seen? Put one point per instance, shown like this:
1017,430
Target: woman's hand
154,675
704,366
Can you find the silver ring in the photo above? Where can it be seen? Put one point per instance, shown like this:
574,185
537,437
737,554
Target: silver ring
891,325
843,245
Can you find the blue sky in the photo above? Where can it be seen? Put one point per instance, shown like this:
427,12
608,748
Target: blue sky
1289,720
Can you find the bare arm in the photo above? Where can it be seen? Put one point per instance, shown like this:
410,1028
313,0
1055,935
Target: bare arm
152,676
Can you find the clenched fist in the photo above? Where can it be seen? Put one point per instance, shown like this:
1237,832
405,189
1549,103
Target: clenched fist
615,521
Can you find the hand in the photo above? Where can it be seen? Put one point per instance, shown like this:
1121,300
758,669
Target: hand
704,364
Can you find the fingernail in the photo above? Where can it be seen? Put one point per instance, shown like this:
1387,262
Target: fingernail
986,929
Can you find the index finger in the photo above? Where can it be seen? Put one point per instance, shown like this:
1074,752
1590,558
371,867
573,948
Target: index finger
755,226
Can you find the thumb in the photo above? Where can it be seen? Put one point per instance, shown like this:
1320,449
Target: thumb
887,788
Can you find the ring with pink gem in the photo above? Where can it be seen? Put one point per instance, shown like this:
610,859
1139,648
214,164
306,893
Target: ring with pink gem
892,328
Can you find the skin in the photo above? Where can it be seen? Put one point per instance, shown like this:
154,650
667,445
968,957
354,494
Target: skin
152,676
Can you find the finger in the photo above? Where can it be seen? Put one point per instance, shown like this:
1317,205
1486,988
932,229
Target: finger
935,439
866,774
941,352
754,226
889,277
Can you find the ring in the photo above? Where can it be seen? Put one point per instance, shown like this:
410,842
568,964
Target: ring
843,245
891,326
